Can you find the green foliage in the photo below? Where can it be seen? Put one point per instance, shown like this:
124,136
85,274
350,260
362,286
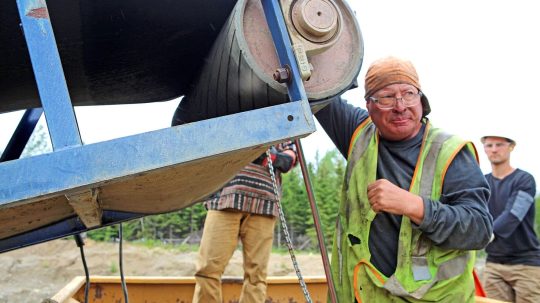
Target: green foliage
326,176
294,203
157,229
113,268
104,234
327,183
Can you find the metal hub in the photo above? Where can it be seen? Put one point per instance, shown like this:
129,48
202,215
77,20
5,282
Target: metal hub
316,20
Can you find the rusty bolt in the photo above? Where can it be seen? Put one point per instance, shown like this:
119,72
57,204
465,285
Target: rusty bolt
282,75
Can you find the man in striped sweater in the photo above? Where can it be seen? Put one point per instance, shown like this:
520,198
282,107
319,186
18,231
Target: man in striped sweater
245,208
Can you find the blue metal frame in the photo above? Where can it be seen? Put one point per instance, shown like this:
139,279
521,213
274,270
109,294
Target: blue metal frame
282,42
49,74
89,165
21,135
73,165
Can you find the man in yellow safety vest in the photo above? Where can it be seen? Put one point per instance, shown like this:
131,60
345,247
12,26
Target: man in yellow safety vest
414,202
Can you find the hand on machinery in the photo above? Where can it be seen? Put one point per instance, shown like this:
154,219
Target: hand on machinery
282,161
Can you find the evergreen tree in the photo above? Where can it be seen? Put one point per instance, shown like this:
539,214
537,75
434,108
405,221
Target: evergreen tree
294,203
328,180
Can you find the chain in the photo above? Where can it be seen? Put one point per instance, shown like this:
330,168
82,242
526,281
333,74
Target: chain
286,230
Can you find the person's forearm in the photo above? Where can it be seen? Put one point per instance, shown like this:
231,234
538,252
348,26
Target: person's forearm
505,224
464,226
415,209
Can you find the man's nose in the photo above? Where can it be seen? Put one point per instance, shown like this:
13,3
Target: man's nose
399,105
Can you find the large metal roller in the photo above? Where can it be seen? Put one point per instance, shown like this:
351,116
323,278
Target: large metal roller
241,70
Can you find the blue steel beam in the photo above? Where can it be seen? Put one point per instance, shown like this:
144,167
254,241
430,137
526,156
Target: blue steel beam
282,42
49,74
27,179
22,133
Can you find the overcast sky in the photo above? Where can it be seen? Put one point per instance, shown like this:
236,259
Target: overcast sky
478,62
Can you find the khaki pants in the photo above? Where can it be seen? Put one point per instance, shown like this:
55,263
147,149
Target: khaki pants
512,283
222,229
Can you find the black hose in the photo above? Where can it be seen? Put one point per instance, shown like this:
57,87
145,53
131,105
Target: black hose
80,243
124,288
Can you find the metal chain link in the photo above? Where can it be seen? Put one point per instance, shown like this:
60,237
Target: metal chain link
286,230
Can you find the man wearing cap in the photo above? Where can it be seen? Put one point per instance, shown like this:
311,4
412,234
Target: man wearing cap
414,202
512,271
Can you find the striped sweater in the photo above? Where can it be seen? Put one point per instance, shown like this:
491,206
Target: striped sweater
251,190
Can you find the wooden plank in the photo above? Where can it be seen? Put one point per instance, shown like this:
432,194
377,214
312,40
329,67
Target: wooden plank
65,295
20,218
87,207
175,187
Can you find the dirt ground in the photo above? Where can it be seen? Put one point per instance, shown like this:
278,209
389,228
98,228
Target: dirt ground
38,272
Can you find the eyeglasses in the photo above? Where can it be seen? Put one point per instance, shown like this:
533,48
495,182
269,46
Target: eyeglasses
387,102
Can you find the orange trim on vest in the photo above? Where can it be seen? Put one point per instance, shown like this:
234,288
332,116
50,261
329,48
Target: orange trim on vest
475,153
355,135
451,158
355,279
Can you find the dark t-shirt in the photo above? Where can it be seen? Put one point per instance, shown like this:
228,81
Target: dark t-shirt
512,206
448,223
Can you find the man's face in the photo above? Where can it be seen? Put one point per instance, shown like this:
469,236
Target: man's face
497,149
398,122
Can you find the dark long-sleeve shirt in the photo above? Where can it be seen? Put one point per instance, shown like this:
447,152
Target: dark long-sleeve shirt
512,206
459,220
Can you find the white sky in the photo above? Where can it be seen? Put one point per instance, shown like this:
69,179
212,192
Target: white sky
478,62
